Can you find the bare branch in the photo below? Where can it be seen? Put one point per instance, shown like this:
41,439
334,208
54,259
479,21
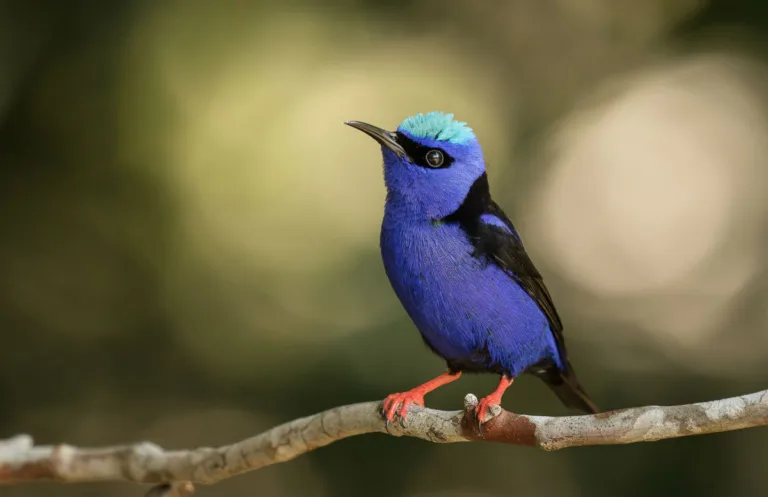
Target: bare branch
174,472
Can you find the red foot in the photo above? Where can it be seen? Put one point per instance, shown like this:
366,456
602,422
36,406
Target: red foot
482,407
403,401
414,396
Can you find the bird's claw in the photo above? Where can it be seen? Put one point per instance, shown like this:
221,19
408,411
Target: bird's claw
397,404
383,414
482,408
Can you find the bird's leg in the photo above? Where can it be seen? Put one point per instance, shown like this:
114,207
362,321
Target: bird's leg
414,396
485,403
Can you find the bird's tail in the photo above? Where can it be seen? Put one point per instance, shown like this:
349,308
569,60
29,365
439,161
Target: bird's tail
568,389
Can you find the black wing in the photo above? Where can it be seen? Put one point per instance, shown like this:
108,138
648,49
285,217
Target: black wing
504,248
507,251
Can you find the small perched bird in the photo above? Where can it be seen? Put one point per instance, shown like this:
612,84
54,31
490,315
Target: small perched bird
459,268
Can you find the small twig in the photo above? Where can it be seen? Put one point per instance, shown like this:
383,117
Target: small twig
174,472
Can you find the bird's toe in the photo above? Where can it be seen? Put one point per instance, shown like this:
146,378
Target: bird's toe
397,405
483,408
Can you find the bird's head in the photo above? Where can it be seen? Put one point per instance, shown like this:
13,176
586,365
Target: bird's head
430,162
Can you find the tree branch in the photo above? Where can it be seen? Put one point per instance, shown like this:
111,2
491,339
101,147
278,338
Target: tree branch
175,471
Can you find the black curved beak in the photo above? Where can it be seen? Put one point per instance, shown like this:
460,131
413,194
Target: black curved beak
385,138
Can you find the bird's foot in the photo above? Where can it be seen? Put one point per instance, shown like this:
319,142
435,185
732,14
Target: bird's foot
485,404
492,404
397,404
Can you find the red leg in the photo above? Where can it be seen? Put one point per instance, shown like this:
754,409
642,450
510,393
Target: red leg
414,396
493,399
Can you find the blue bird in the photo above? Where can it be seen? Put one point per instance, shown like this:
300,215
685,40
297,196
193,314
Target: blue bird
459,268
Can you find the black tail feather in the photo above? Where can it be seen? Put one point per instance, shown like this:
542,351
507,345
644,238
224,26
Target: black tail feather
568,389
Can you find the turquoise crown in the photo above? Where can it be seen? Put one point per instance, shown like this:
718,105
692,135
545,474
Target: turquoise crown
437,126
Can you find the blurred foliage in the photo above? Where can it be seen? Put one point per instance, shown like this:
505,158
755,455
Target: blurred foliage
189,234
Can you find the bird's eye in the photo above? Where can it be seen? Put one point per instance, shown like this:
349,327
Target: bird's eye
435,158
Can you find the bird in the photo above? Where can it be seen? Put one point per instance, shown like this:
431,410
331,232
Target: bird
459,268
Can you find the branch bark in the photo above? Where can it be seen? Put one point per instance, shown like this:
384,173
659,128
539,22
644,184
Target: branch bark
175,471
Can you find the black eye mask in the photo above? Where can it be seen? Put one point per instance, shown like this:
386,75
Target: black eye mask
418,153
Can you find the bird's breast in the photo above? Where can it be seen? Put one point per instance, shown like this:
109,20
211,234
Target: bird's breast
436,277
427,257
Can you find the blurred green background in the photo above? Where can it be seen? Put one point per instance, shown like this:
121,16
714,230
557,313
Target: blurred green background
188,233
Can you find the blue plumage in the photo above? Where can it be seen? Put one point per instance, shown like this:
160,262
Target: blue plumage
459,268
494,220
469,312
